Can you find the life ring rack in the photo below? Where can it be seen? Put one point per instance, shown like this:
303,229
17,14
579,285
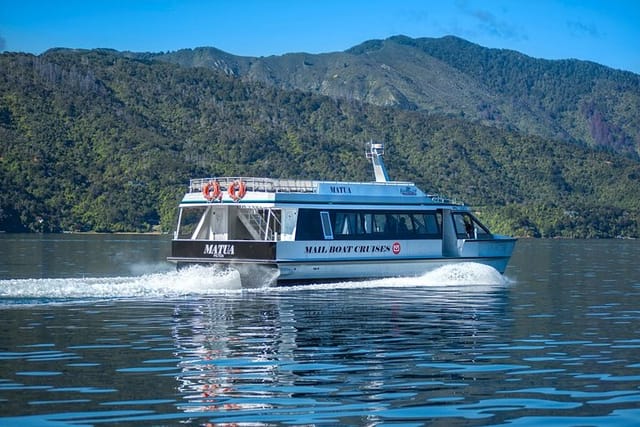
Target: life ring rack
211,191
237,190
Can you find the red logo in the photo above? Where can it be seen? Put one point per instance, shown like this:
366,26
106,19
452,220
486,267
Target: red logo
396,248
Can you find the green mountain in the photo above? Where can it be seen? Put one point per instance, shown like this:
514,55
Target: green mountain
569,100
107,141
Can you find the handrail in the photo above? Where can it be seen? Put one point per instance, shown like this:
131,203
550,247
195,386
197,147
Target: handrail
256,222
275,185
269,185
278,185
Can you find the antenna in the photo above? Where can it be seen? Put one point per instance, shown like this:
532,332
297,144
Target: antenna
375,153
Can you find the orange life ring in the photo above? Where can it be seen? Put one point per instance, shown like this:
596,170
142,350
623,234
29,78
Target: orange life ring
237,190
211,191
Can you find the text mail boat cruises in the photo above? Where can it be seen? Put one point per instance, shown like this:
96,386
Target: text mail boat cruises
325,231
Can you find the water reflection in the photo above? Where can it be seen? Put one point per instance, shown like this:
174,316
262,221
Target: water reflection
332,355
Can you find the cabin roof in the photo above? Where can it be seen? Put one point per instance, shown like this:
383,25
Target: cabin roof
270,190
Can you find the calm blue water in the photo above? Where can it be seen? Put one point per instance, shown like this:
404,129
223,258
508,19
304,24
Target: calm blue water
98,330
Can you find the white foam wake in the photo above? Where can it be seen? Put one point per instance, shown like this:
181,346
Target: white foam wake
198,280
195,280
470,276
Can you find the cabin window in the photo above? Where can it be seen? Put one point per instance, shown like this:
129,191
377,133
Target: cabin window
428,224
309,226
468,227
405,224
326,226
379,223
367,223
352,225
349,223
433,223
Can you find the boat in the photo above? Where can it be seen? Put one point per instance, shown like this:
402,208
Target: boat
291,231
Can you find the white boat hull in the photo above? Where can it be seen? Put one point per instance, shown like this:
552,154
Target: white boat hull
336,270
297,262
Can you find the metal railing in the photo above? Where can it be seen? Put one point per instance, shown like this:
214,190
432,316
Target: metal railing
269,185
263,224
277,185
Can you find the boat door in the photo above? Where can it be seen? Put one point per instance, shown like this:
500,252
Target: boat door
218,221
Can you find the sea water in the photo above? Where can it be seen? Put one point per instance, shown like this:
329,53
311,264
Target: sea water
130,341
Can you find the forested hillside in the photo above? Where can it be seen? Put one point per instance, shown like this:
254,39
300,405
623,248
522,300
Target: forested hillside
95,140
568,100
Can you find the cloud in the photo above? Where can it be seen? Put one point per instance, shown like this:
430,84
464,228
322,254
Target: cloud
490,24
493,26
580,29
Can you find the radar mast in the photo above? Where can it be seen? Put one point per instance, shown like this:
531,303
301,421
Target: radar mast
375,152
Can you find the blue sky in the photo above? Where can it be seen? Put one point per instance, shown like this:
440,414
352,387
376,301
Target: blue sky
603,31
